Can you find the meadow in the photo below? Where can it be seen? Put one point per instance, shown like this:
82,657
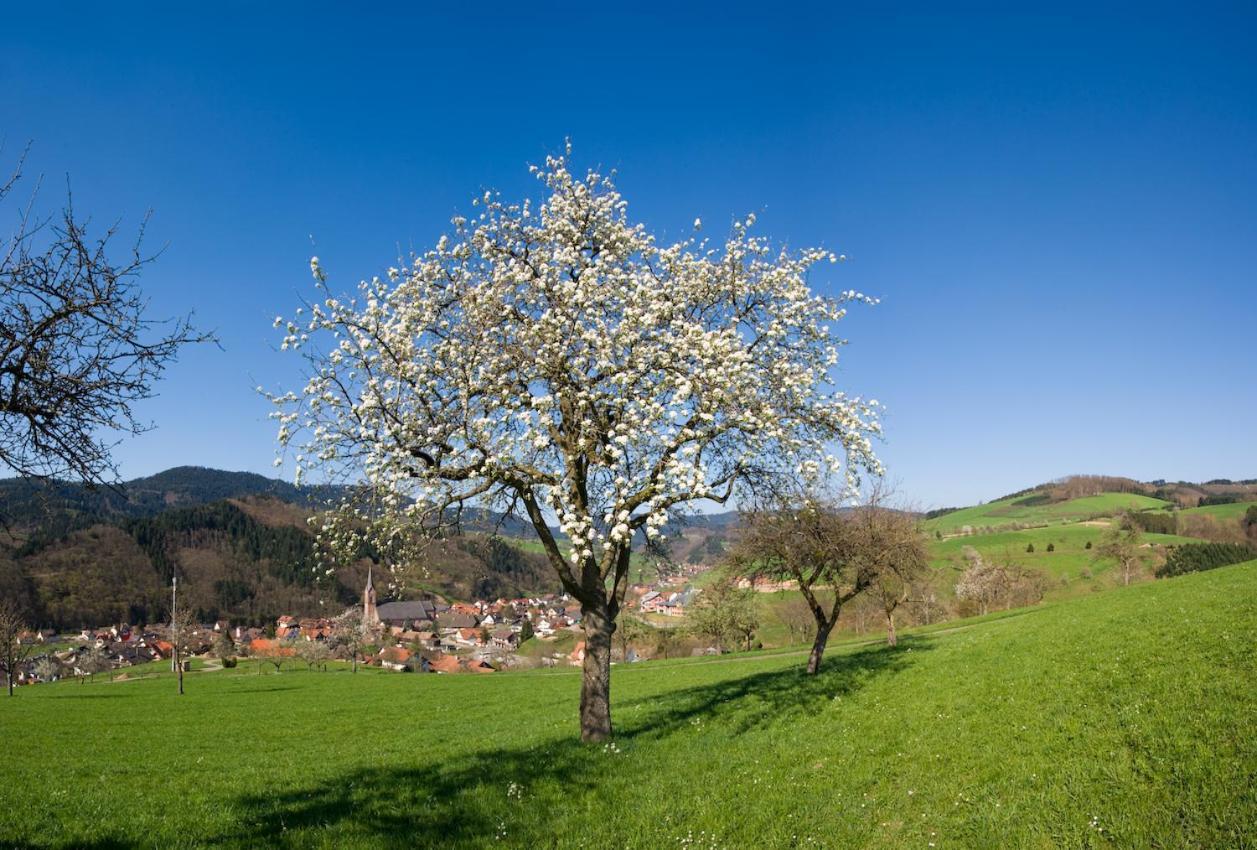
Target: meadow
1032,509
1228,512
1121,719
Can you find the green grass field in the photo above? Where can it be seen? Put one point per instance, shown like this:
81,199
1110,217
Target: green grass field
1030,509
1068,561
1121,719
1232,511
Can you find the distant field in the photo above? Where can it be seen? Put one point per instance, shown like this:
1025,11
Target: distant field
1031,509
1121,719
1235,510
1068,560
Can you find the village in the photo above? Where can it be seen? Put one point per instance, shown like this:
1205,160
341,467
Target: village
428,635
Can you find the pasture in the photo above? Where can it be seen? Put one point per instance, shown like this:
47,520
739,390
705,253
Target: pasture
1120,719
1034,509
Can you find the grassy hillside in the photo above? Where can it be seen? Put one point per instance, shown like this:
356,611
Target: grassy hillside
1228,512
1121,719
1068,560
1035,508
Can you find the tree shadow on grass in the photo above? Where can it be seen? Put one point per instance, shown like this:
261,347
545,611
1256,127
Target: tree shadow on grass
514,794
753,701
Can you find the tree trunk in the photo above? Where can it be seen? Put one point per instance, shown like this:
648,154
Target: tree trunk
179,667
9,679
892,639
818,647
595,692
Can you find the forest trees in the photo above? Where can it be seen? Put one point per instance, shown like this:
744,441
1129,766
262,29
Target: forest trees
557,361
77,350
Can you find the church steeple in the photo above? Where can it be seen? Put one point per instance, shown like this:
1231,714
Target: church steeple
369,615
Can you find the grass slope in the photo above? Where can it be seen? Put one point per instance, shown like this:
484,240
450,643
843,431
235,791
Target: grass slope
1231,511
1122,719
1033,509
1068,560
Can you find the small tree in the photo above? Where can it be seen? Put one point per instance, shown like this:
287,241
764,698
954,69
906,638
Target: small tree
899,561
13,650
182,631
1088,546
832,555
350,630
982,583
667,641
1122,546
796,616
92,660
1030,548
47,668
924,601
629,630
315,653
725,613
1051,547
224,646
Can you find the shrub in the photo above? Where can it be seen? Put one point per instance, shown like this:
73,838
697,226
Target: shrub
1088,546
1197,557
229,662
1029,547
1051,547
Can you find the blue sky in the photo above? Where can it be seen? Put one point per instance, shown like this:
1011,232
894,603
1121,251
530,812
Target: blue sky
1058,209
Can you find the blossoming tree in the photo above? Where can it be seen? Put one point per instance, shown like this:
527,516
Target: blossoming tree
556,360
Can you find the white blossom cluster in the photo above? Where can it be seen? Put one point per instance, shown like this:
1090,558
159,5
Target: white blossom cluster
556,357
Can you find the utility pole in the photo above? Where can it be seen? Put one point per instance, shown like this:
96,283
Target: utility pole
174,638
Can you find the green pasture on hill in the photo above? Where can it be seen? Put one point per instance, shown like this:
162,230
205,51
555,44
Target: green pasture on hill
1033,508
1121,719
1228,512
1068,561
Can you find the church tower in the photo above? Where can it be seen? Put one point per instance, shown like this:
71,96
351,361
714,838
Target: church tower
370,616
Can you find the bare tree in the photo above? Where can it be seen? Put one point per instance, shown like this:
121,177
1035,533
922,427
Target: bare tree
1122,546
796,616
833,555
926,605
77,348
315,653
899,561
14,651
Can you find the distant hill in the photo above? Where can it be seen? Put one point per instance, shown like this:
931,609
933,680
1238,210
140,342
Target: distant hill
77,556
1081,497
